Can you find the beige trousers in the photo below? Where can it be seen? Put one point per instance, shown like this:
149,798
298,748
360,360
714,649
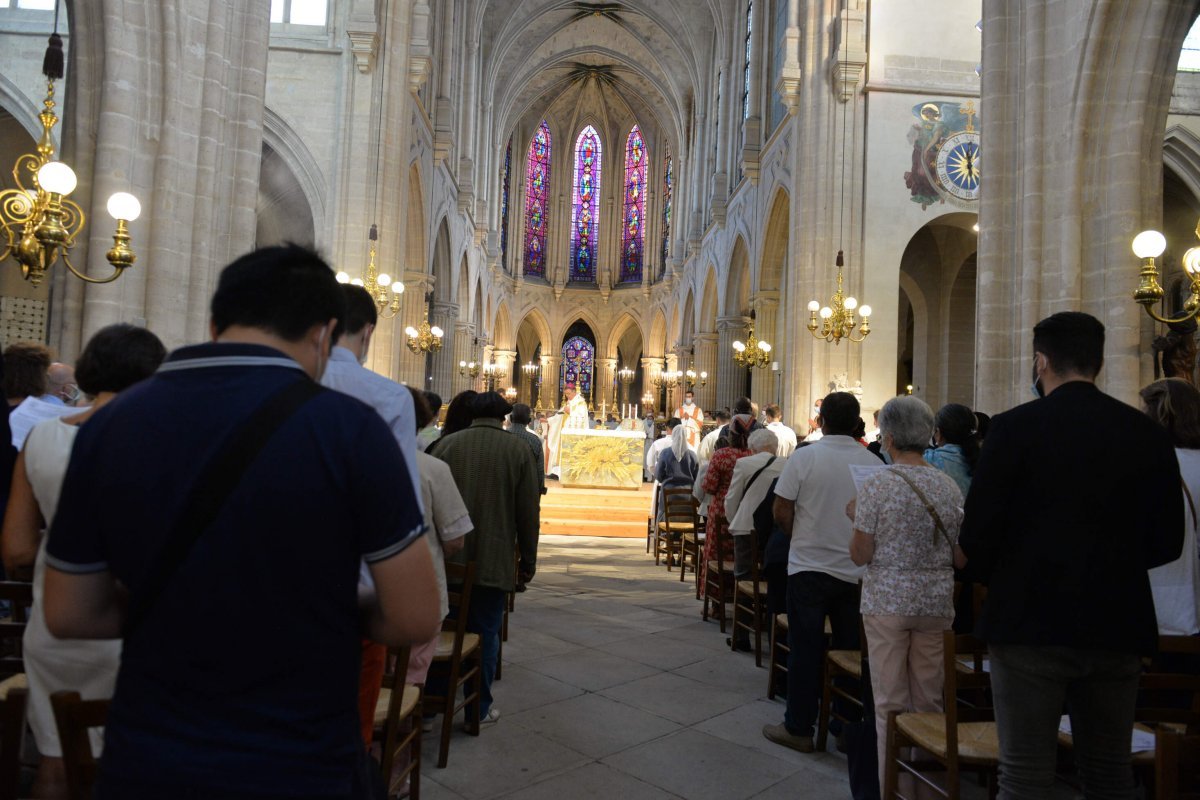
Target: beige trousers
906,668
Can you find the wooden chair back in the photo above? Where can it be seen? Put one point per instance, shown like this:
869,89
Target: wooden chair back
966,693
462,669
1169,692
1176,757
73,717
679,509
394,739
12,730
12,630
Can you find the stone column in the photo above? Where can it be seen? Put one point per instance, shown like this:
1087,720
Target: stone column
730,377
706,361
444,316
173,114
506,360
464,350
606,373
1058,213
552,399
766,307
650,368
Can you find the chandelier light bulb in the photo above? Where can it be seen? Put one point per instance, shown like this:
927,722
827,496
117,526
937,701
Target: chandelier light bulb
764,346
741,348
1191,261
851,303
436,331
398,287
356,282
410,331
826,312
57,178
123,205
813,305
343,277
1147,244
462,364
864,312
384,280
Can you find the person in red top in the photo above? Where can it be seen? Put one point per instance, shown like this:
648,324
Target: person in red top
716,484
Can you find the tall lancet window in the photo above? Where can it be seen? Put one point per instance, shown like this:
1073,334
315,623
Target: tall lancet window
585,208
633,235
504,186
537,195
668,192
746,65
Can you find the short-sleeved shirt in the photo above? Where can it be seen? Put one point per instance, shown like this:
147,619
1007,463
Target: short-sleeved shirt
911,573
446,517
243,677
817,478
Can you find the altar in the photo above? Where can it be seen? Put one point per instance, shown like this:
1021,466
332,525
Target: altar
601,459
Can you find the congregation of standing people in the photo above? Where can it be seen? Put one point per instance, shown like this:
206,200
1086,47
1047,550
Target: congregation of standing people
234,540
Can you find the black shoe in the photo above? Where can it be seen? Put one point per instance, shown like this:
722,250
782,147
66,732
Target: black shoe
738,646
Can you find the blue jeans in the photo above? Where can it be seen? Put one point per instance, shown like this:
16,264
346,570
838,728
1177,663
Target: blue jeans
1031,686
811,596
485,618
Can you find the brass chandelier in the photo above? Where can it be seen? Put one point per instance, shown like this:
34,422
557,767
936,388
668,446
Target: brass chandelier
752,353
1149,245
427,338
387,303
40,224
837,318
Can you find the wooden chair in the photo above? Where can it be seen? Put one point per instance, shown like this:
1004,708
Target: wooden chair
652,523
749,603
1176,756
718,575
691,549
399,703
74,717
458,657
963,737
777,660
678,518
12,734
12,630
847,665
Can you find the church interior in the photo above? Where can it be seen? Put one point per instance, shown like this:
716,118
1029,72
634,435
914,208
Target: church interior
773,199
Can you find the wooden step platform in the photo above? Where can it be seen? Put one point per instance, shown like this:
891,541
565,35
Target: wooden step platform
619,513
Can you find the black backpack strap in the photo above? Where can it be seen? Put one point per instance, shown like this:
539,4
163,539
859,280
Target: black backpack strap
212,489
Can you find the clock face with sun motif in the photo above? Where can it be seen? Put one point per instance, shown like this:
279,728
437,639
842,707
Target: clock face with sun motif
957,165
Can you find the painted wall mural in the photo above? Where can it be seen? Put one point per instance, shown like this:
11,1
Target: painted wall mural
945,155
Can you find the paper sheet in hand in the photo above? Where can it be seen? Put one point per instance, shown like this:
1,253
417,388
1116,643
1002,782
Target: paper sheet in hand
32,411
860,473
1142,741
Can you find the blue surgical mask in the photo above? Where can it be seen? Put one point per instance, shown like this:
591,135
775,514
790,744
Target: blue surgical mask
1036,388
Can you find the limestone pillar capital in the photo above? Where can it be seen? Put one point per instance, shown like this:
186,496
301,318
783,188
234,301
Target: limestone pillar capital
736,322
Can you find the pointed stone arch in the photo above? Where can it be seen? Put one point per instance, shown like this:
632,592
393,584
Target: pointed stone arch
503,337
656,342
737,285
707,319
617,332
773,263
414,229
535,320
441,267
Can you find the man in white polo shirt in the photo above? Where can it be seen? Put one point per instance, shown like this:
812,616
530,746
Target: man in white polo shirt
810,501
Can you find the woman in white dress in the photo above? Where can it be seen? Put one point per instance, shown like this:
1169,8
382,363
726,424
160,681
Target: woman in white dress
116,358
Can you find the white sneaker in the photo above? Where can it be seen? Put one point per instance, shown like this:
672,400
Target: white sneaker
492,716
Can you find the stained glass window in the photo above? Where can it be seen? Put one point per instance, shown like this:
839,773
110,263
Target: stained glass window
537,195
504,207
633,236
579,357
746,66
668,192
585,206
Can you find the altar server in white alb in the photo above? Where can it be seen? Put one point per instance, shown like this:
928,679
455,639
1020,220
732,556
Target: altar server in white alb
692,418
573,414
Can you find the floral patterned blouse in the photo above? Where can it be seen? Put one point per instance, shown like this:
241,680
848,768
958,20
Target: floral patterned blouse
912,570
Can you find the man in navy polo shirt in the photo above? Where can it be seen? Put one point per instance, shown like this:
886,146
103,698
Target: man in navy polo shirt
240,678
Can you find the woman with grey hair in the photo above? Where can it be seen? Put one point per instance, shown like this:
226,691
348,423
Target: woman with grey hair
906,521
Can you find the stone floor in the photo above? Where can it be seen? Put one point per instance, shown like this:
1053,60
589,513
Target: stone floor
613,687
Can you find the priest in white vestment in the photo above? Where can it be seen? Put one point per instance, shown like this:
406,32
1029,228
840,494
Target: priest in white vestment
573,414
692,418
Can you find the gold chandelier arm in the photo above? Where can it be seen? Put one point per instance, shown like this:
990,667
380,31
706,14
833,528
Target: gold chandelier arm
66,259
32,163
1182,316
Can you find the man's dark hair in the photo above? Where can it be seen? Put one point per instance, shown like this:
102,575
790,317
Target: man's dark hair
723,415
773,411
459,413
117,357
360,311
284,290
521,414
25,365
673,422
435,402
490,405
839,414
1072,341
421,409
743,406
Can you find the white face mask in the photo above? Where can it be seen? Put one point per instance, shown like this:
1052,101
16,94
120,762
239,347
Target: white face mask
689,401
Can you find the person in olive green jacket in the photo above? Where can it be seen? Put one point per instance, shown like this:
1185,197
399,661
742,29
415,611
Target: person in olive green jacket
497,477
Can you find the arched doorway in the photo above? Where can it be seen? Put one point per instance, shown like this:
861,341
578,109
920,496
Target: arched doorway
626,346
